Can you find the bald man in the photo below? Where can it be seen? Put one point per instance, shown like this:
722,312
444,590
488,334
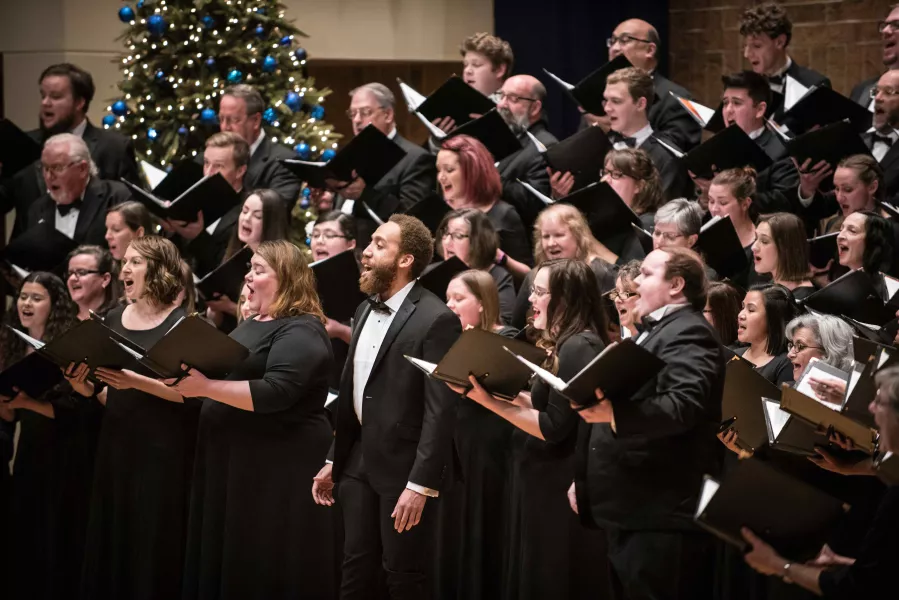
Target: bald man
639,42
520,102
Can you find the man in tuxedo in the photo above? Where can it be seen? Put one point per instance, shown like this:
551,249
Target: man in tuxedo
889,39
628,98
76,199
66,93
520,103
392,449
639,42
882,136
766,31
745,102
640,462
240,112
204,243
409,182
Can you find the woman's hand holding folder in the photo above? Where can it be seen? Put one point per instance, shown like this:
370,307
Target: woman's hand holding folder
76,375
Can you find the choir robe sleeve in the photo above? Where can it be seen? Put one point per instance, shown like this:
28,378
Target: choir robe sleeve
559,420
289,371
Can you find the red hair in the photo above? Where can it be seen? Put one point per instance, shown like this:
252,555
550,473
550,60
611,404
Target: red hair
482,184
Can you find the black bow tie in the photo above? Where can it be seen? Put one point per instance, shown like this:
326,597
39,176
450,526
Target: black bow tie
646,325
776,80
617,137
65,208
378,306
883,139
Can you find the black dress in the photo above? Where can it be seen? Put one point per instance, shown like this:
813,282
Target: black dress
778,370
547,543
254,530
513,239
138,512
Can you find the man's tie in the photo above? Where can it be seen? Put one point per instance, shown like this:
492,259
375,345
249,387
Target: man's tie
618,138
646,325
776,80
883,139
65,208
378,306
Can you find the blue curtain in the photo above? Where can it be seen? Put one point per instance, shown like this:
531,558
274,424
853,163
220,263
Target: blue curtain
568,37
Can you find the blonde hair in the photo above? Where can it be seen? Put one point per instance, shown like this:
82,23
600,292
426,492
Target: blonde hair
587,245
483,287
240,149
296,294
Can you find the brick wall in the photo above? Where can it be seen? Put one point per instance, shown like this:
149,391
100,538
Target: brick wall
836,37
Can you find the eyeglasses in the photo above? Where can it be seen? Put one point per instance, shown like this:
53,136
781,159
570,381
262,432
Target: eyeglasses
884,24
668,237
456,236
799,347
886,91
361,112
79,273
231,120
539,292
616,295
512,98
613,173
326,235
624,40
57,170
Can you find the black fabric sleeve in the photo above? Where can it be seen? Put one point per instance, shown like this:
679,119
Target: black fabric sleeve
513,239
505,287
559,420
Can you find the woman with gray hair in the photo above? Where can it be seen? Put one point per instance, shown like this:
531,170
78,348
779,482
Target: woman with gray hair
824,337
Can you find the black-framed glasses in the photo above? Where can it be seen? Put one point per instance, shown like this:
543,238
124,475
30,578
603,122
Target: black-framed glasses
79,273
624,40
58,169
326,235
884,24
612,173
799,347
616,295
512,98
668,237
886,91
455,235
362,112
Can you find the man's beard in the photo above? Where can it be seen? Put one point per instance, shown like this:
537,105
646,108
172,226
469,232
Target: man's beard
518,125
61,196
63,125
379,279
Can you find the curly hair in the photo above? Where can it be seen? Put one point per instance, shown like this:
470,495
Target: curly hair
112,294
497,50
162,281
481,184
415,239
296,293
62,317
766,19
636,164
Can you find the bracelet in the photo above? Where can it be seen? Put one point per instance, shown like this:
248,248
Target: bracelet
786,573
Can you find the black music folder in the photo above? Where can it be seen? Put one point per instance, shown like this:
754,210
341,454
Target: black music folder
212,195
200,345
337,280
437,276
430,211
588,92
480,353
852,295
831,143
17,149
727,149
822,417
40,248
744,389
605,211
720,245
371,154
790,434
620,370
822,250
33,375
792,516
227,279
183,176
89,342
457,100
491,130
582,154
823,106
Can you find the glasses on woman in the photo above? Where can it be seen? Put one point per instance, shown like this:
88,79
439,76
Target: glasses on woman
799,347
79,273
613,173
456,236
616,295
326,235
667,236
538,291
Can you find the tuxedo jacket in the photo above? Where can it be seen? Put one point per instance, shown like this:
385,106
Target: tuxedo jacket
99,196
890,166
676,183
112,152
266,172
527,165
805,76
776,185
668,117
861,93
408,419
647,474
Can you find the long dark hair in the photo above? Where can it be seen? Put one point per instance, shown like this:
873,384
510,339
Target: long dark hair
63,315
274,223
878,253
112,294
575,305
780,309
724,304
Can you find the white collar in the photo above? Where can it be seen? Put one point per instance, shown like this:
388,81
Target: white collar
258,141
659,313
642,135
396,301
80,128
892,133
783,69
755,134
392,133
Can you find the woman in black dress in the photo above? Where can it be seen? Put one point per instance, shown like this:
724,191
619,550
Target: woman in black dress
254,530
546,542
49,496
781,252
136,530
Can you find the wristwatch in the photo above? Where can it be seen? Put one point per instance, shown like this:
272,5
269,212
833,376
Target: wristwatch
786,574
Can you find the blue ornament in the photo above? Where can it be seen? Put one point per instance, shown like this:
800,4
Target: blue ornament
304,203
300,53
302,150
208,21
207,115
285,41
140,3
109,120
270,116
119,108
318,112
182,130
160,75
307,191
126,14
210,62
260,10
152,134
234,76
260,31
292,100
308,241
328,154
156,25
269,63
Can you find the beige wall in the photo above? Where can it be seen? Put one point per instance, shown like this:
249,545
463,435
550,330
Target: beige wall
35,33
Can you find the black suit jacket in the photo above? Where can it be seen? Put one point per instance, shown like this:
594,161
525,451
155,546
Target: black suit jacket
407,417
805,76
890,166
99,196
265,172
676,183
112,152
861,93
668,117
776,185
527,165
647,476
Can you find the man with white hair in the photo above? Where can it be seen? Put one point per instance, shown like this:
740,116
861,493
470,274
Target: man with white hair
76,200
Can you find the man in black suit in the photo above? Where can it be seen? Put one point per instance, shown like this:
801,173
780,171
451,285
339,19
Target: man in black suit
394,432
77,199
520,103
66,93
240,112
628,98
766,31
889,39
882,138
410,181
640,463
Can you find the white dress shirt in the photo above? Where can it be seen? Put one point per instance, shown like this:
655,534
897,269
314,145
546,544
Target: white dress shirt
880,149
258,142
639,137
754,135
79,128
68,223
657,315
779,87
